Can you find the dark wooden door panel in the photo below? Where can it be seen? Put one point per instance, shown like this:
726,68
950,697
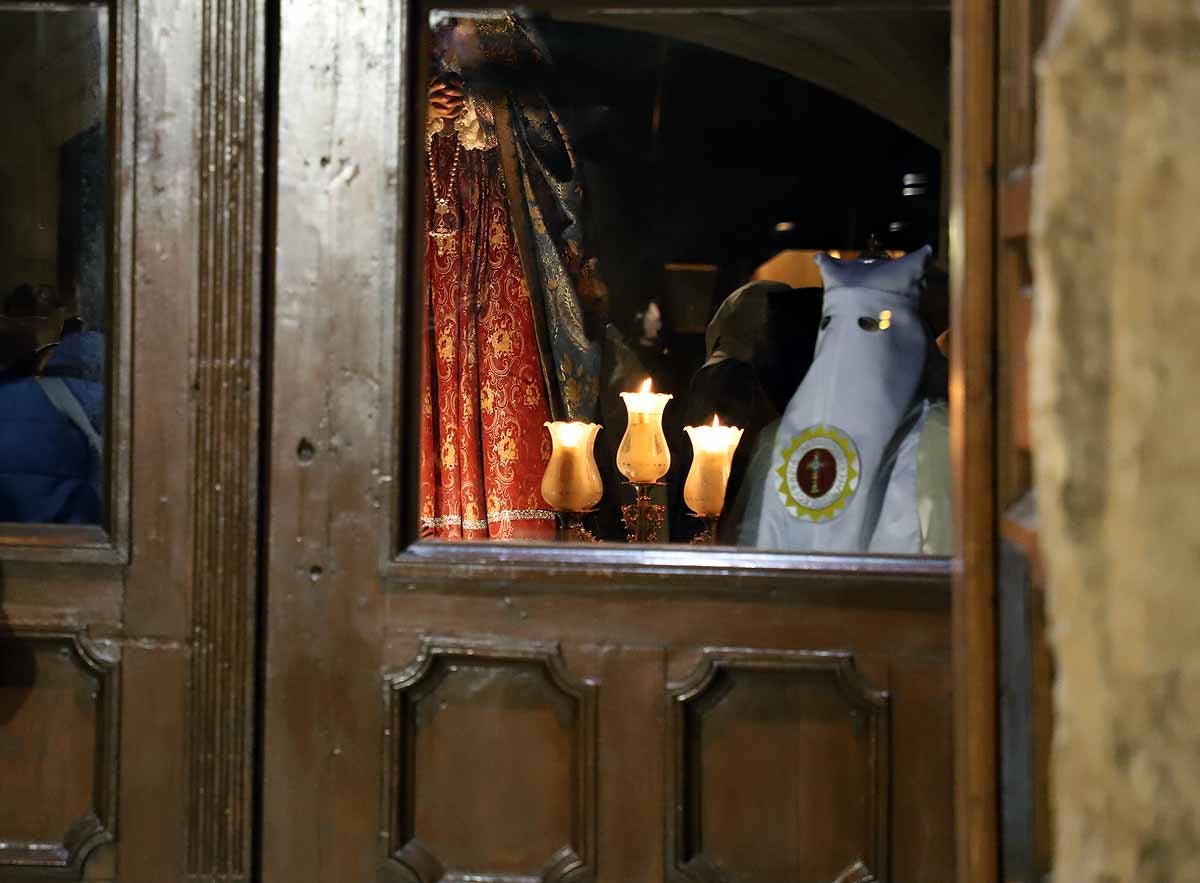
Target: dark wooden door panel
491,762
781,769
745,763
58,752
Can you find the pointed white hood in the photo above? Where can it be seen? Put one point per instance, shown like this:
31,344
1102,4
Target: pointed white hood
823,490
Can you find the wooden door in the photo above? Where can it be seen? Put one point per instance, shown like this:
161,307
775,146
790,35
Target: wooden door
504,713
594,701
127,648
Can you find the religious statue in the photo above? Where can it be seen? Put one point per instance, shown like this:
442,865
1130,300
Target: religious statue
514,311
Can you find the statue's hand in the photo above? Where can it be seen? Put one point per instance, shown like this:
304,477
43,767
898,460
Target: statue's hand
446,98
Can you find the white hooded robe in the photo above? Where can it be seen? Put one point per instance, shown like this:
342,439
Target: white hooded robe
827,478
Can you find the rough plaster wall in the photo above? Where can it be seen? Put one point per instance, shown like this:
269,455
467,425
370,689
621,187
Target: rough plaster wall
1116,362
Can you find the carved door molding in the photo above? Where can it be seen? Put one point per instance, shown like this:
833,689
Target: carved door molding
842,700
221,698
528,674
94,669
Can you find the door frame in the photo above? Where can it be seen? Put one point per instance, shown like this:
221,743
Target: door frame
973,343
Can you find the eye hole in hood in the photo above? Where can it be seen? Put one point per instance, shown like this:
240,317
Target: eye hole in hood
870,323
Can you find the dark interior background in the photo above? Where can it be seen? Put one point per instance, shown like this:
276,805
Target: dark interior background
693,155
54,155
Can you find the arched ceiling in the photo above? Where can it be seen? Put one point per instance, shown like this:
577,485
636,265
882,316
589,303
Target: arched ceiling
894,64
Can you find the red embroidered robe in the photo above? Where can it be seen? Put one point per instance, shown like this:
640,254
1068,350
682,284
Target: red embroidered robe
484,446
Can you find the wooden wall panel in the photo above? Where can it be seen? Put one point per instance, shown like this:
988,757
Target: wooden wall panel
58,757
491,765
781,770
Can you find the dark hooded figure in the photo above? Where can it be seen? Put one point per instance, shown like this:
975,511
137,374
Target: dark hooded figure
759,345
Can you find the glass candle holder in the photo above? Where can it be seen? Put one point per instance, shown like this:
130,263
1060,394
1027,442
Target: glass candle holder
644,456
571,482
712,458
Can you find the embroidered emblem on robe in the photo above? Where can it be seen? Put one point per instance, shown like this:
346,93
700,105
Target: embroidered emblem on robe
818,472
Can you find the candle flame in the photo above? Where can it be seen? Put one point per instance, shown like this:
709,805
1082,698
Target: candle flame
572,434
716,422
645,386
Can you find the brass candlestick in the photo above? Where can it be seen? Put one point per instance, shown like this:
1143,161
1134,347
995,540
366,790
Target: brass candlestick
571,528
708,534
643,517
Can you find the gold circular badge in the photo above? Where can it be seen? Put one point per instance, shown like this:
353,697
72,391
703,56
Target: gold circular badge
818,473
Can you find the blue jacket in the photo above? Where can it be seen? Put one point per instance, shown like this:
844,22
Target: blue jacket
47,467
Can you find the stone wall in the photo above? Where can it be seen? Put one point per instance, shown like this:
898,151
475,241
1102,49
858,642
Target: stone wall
1116,365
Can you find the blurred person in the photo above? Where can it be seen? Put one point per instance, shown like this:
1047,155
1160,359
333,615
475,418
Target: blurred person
51,414
759,345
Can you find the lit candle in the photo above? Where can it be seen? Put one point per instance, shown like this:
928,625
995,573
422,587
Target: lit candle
643,456
572,482
712,457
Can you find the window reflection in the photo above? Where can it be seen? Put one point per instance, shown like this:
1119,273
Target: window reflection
53,246
614,202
